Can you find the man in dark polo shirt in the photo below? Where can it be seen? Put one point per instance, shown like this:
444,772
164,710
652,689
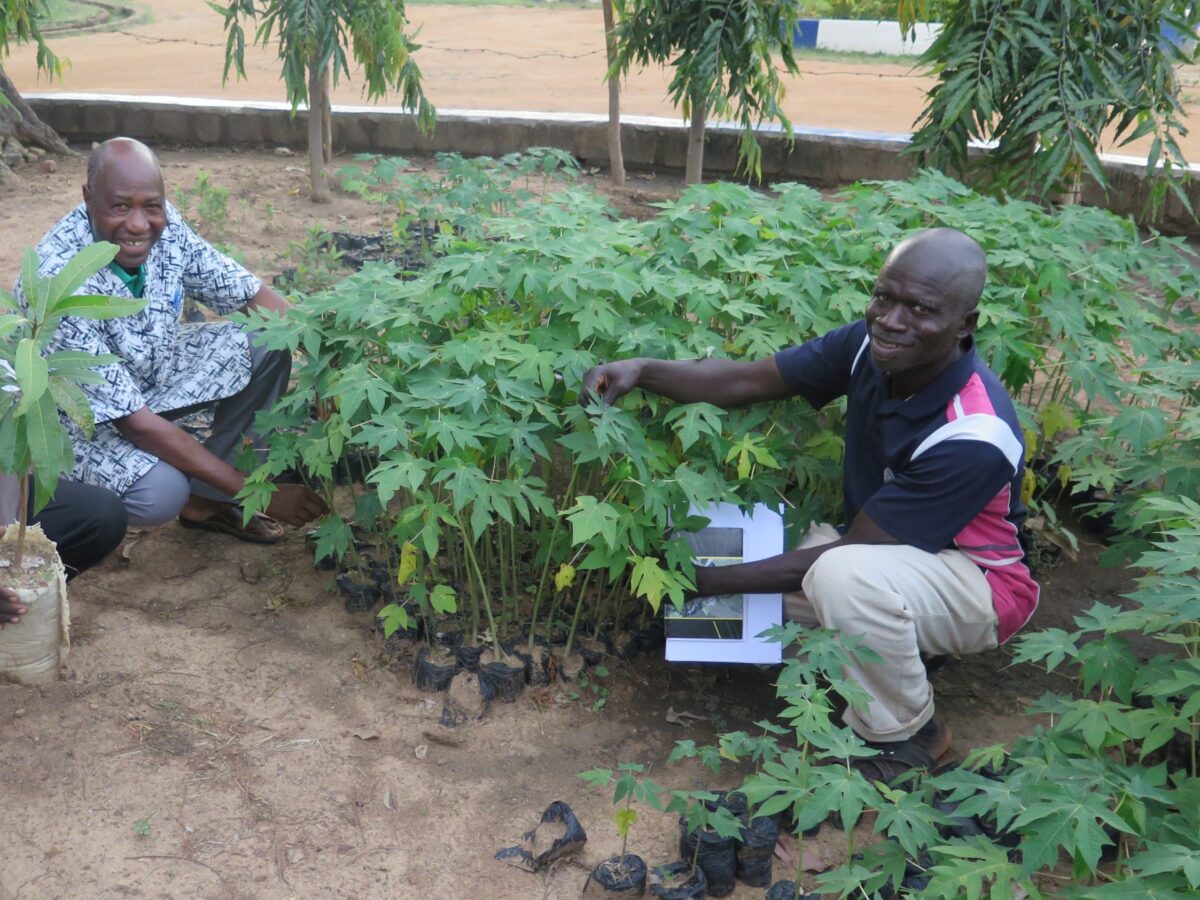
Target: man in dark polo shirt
929,560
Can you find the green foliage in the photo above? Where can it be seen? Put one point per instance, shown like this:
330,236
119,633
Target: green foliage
19,25
463,380
873,10
725,58
630,785
205,206
35,387
1049,82
313,35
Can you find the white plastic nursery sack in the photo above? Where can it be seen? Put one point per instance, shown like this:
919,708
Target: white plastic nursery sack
34,651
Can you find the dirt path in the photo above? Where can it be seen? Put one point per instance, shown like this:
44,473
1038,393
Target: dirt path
229,731
543,59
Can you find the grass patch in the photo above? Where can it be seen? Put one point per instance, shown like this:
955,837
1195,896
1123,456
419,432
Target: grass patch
67,17
889,59
68,12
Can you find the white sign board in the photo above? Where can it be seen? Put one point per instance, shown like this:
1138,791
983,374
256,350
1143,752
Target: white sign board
726,628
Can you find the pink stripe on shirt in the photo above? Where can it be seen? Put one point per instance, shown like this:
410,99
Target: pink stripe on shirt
990,539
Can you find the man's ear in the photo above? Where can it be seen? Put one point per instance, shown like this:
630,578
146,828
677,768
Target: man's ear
970,320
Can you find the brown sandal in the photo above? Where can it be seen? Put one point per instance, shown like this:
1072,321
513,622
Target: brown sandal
259,530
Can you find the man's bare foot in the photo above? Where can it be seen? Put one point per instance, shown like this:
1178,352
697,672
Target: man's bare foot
200,509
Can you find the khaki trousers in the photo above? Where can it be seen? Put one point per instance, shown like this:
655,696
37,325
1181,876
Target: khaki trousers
903,601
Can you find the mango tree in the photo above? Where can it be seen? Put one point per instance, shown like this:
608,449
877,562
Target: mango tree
312,38
1050,83
725,56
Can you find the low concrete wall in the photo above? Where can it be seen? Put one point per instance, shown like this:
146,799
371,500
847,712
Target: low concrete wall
819,157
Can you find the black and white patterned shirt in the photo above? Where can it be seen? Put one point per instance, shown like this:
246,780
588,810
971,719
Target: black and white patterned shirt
166,365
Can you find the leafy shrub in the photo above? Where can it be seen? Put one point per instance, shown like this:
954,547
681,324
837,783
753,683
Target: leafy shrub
463,382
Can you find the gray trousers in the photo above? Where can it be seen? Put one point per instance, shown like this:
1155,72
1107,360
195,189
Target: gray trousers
160,494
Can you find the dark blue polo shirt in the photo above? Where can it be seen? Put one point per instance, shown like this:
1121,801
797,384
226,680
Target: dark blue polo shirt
939,470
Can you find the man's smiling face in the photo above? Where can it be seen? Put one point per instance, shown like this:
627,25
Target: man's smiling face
126,203
924,306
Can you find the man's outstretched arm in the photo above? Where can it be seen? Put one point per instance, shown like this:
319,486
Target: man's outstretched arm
722,382
293,504
785,572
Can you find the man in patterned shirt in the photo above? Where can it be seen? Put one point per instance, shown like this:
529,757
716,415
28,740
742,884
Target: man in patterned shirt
168,369
929,558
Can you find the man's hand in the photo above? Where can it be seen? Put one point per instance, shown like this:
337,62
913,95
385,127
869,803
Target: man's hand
295,504
11,608
610,381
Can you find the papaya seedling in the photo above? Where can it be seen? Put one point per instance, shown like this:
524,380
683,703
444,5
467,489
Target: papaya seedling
630,786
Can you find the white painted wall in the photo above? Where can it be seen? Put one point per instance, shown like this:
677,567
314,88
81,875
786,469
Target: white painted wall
874,37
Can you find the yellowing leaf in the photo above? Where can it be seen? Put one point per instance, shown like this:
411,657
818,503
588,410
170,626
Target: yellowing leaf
564,577
1056,418
1031,442
743,467
624,817
1028,486
1064,475
408,563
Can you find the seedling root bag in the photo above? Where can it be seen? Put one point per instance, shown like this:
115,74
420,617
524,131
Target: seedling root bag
34,651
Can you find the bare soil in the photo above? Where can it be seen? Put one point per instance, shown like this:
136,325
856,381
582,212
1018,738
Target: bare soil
227,730
549,58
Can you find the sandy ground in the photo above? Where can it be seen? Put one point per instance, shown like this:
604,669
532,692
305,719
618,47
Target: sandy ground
543,59
227,730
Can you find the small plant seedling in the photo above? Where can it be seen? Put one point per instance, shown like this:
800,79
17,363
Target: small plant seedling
590,681
210,213
142,826
629,786
702,813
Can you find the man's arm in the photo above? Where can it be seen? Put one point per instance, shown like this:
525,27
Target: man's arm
785,572
293,504
722,382
267,299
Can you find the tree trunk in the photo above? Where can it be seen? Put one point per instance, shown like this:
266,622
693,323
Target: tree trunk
327,116
316,134
21,123
616,158
695,151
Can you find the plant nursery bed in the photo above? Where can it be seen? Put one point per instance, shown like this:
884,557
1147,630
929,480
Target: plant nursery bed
228,730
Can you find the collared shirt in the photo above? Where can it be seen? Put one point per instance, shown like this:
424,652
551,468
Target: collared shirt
165,365
938,470
134,281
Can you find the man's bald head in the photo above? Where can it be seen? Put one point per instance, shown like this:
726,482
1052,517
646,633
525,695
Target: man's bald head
947,257
120,153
